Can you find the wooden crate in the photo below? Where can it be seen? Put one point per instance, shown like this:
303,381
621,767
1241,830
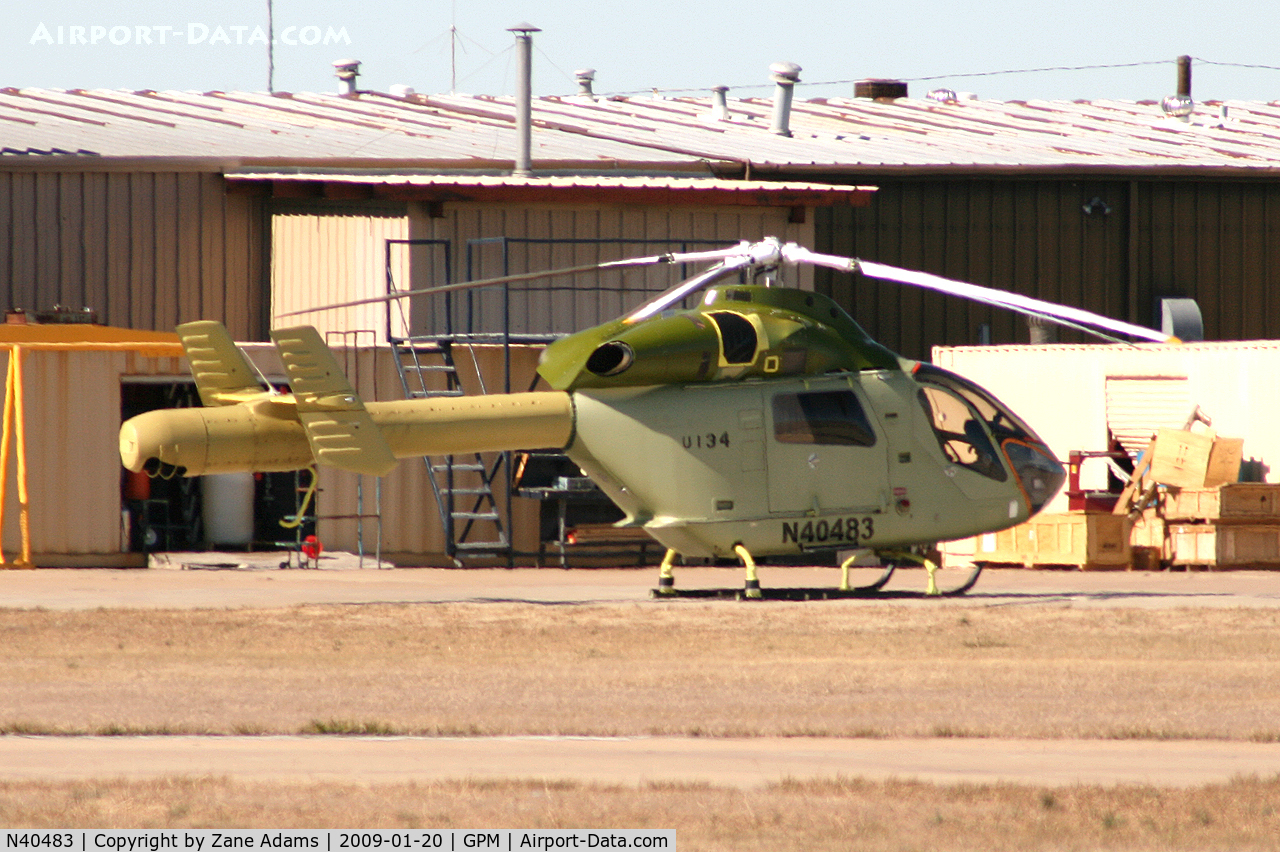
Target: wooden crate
1225,545
1195,459
1148,530
1240,502
1086,540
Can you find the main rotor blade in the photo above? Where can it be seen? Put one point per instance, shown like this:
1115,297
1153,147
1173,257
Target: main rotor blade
766,253
470,285
684,288
1061,314
671,257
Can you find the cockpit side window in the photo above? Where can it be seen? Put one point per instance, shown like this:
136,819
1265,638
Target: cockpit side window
960,434
821,417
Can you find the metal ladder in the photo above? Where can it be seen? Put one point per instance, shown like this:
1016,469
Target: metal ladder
464,488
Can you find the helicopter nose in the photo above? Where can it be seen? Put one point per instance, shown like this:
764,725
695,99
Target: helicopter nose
1040,473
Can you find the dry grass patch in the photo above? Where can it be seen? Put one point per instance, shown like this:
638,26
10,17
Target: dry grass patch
681,668
1242,815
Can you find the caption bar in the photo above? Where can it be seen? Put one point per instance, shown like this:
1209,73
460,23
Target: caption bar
335,840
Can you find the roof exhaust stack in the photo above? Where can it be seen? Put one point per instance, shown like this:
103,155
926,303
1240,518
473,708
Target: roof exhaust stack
719,104
586,76
524,99
880,89
347,70
785,75
1180,106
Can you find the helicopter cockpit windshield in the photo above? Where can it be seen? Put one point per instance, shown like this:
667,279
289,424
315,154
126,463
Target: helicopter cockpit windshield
966,418
1002,422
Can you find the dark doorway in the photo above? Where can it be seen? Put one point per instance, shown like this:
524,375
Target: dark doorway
168,514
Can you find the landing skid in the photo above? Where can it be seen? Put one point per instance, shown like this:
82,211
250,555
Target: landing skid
871,591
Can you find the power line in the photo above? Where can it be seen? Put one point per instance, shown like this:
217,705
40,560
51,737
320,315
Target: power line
1204,61
972,74
1036,70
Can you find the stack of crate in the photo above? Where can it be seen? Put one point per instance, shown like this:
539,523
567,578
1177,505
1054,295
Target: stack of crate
1236,525
1182,508
1201,516
1090,541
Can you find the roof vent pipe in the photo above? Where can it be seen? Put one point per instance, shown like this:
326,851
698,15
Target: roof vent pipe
1180,106
586,76
719,103
524,99
785,75
347,70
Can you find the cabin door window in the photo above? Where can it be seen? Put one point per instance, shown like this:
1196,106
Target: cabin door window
824,452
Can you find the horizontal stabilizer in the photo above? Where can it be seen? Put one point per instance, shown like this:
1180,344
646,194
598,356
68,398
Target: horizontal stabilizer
223,375
338,426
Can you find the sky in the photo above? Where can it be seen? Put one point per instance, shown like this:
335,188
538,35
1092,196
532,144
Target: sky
1124,49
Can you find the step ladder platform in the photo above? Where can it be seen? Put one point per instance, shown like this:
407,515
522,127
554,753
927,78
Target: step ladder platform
421,363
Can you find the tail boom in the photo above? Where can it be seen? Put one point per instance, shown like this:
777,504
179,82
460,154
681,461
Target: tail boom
269,436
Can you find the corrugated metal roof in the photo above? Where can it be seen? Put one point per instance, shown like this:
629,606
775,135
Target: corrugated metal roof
829,135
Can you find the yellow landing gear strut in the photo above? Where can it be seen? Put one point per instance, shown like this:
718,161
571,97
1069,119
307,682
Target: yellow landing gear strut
930,567
666,578
870,589
753,591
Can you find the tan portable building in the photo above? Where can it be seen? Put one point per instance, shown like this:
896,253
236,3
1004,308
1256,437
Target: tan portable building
1074,396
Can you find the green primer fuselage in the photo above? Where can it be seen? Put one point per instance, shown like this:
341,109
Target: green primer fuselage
768,418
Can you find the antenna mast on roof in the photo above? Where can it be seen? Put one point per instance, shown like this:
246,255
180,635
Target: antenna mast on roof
271,49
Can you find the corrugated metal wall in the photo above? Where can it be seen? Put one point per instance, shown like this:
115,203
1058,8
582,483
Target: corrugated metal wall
1215,242
73,460
1110,246
1030,236
586,300
144,249
324,257
319,259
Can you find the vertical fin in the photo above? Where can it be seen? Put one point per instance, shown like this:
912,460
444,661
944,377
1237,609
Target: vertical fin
223,375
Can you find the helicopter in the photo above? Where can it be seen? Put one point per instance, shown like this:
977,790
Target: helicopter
761,422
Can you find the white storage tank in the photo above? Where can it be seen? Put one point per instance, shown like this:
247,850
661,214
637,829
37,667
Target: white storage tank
227,508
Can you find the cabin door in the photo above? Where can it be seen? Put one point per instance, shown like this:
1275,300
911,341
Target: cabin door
825,452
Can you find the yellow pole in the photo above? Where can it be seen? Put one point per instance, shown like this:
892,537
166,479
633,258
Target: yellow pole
19,416
6,434
14,420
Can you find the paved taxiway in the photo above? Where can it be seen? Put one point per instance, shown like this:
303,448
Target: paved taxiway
637,760
68,589
621,760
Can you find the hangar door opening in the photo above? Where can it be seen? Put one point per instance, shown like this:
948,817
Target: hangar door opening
232,512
